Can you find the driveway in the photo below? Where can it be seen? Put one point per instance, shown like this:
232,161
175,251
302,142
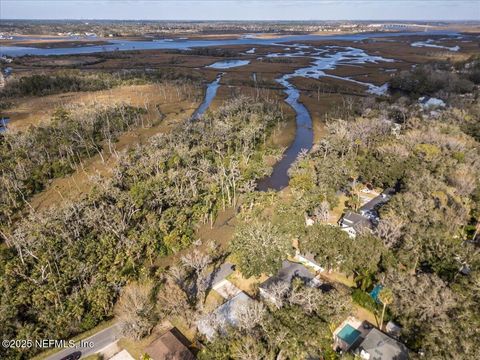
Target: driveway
226,289
220,274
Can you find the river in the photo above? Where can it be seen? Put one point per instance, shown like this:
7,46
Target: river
210,94
125,45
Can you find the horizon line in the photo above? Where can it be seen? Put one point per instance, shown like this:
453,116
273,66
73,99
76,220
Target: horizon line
245,20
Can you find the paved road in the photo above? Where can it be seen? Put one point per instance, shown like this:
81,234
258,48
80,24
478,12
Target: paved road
100,340
111,334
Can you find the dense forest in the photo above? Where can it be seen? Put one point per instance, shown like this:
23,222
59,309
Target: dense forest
62,270
62,81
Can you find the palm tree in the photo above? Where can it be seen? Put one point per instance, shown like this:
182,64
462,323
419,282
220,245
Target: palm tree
354,195
364,279
386,297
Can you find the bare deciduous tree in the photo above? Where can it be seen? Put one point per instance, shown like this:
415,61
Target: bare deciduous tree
250,315
278,292
322,212
135,310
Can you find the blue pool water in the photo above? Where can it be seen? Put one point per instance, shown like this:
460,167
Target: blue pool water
349,334
374,293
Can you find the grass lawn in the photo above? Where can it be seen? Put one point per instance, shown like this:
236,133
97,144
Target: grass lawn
338,277
93,357
182,326
365,315
135,348
213,300
249,285
337,212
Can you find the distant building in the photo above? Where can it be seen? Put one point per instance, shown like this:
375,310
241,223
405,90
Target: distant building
172,346
367,217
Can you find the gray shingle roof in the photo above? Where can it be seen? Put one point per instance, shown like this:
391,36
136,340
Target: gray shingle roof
288,271
352,219
380,346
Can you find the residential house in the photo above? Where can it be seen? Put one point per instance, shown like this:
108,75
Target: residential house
430,103
370,209
379,346
393,329
225,315
352,223
308,260
369,343
286,274
367,216
172,346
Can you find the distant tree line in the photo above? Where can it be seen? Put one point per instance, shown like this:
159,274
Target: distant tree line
438,78
47,84
75,81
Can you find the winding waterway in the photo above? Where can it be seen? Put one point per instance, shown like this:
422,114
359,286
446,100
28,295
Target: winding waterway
210,94
303,140
327,58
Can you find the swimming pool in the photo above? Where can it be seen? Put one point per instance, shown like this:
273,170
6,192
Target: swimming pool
375,292
348,334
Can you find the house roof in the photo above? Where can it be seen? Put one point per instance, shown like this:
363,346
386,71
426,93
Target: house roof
288,271
351,219
428,102
227,312
380,346
170,346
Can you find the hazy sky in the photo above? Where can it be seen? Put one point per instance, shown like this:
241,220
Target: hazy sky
242,9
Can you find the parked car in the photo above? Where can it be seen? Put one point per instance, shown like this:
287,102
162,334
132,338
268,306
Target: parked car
73,356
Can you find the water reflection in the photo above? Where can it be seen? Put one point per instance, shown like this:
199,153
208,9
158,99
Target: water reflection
209,96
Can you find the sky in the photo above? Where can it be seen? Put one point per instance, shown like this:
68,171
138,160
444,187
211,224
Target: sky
242,9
